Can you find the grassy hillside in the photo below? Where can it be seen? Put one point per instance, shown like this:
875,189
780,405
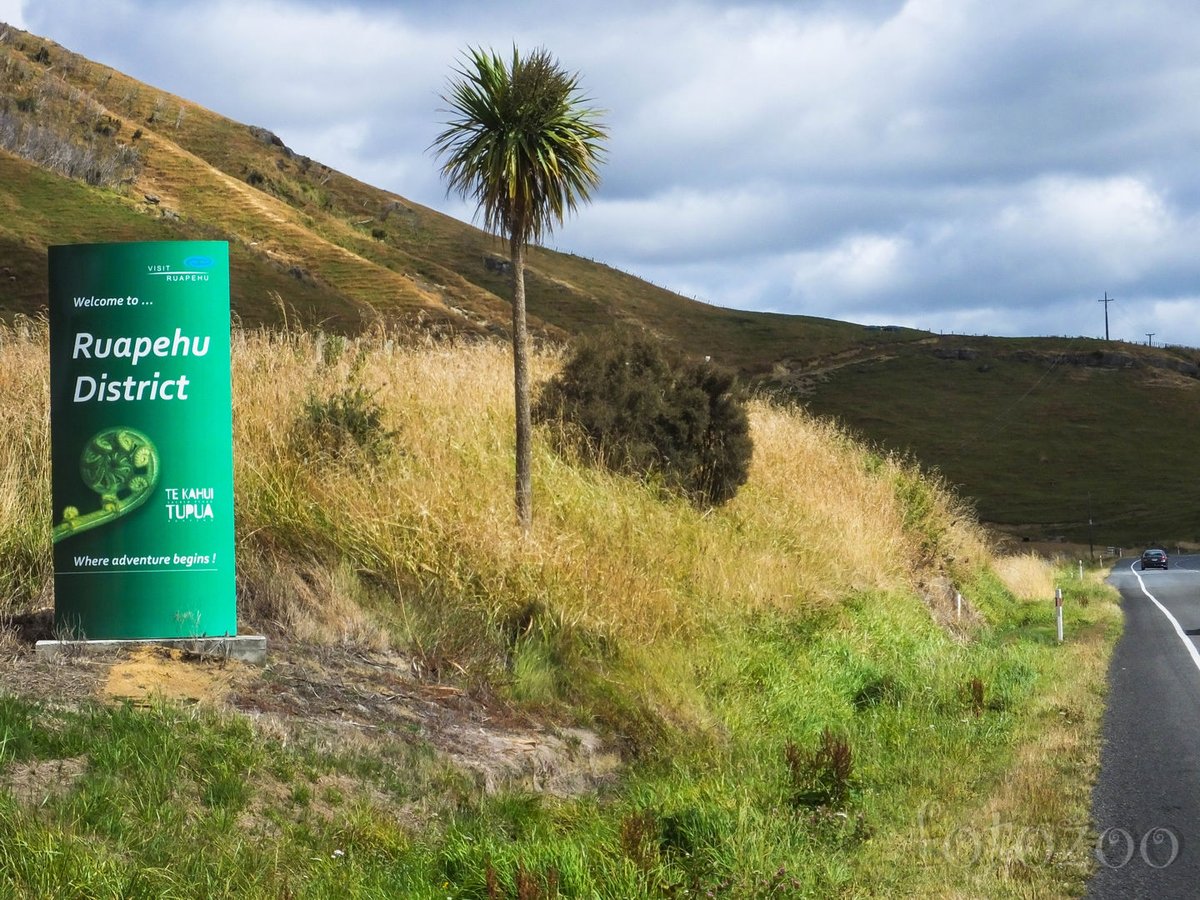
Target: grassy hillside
328,247
1043,434
791,703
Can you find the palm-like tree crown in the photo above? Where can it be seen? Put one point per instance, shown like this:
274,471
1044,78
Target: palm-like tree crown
521,142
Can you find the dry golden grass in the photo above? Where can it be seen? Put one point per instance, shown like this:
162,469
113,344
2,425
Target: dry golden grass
1027,575
24,465
432,522
814,523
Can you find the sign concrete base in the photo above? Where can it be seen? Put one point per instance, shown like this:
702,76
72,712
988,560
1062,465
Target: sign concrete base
247,648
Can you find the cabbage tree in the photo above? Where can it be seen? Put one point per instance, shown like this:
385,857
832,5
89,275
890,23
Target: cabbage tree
524,144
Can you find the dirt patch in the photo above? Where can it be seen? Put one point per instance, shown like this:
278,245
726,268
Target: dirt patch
171,674
320,801
37,781
349,698
564,762
959,619
333,699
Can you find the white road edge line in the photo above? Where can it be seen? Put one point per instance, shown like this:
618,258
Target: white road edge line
1187,641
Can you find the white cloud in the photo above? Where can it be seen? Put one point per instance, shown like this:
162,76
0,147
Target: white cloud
860,266
11,13
684,223
1120,227
1134,317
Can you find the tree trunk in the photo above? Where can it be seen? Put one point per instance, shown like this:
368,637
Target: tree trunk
520,338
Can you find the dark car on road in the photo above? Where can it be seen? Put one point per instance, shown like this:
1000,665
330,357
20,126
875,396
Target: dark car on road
1154,559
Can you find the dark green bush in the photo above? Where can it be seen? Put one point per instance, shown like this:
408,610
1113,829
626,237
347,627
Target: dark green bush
628,403
349,419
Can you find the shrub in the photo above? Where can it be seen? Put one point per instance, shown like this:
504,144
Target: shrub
626,402
349,419
106,126
100,164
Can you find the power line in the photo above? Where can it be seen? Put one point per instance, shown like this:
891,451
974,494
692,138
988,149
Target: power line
999,423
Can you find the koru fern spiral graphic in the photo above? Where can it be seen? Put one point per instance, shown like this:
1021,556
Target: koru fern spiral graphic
119,464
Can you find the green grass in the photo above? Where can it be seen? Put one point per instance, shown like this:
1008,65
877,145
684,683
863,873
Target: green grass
1040,446
172,803
176,803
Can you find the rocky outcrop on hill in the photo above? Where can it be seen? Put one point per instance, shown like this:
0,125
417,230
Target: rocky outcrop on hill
1115,359
1096,359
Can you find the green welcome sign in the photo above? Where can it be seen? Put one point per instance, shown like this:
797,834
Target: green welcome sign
141,436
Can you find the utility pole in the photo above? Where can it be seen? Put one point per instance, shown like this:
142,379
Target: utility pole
1150,338
1091,540
1107,300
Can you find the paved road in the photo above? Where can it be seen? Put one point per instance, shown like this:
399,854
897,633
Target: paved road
1146,803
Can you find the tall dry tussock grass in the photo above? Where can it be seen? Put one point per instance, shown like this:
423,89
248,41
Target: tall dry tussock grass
815,522
410,546
25,567
1027,575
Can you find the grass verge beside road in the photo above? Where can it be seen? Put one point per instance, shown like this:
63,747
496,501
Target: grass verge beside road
867,754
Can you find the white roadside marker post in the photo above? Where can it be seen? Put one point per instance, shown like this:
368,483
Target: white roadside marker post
957,605
1081,570
1058,601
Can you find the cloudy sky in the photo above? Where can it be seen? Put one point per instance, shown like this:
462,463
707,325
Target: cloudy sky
955,165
